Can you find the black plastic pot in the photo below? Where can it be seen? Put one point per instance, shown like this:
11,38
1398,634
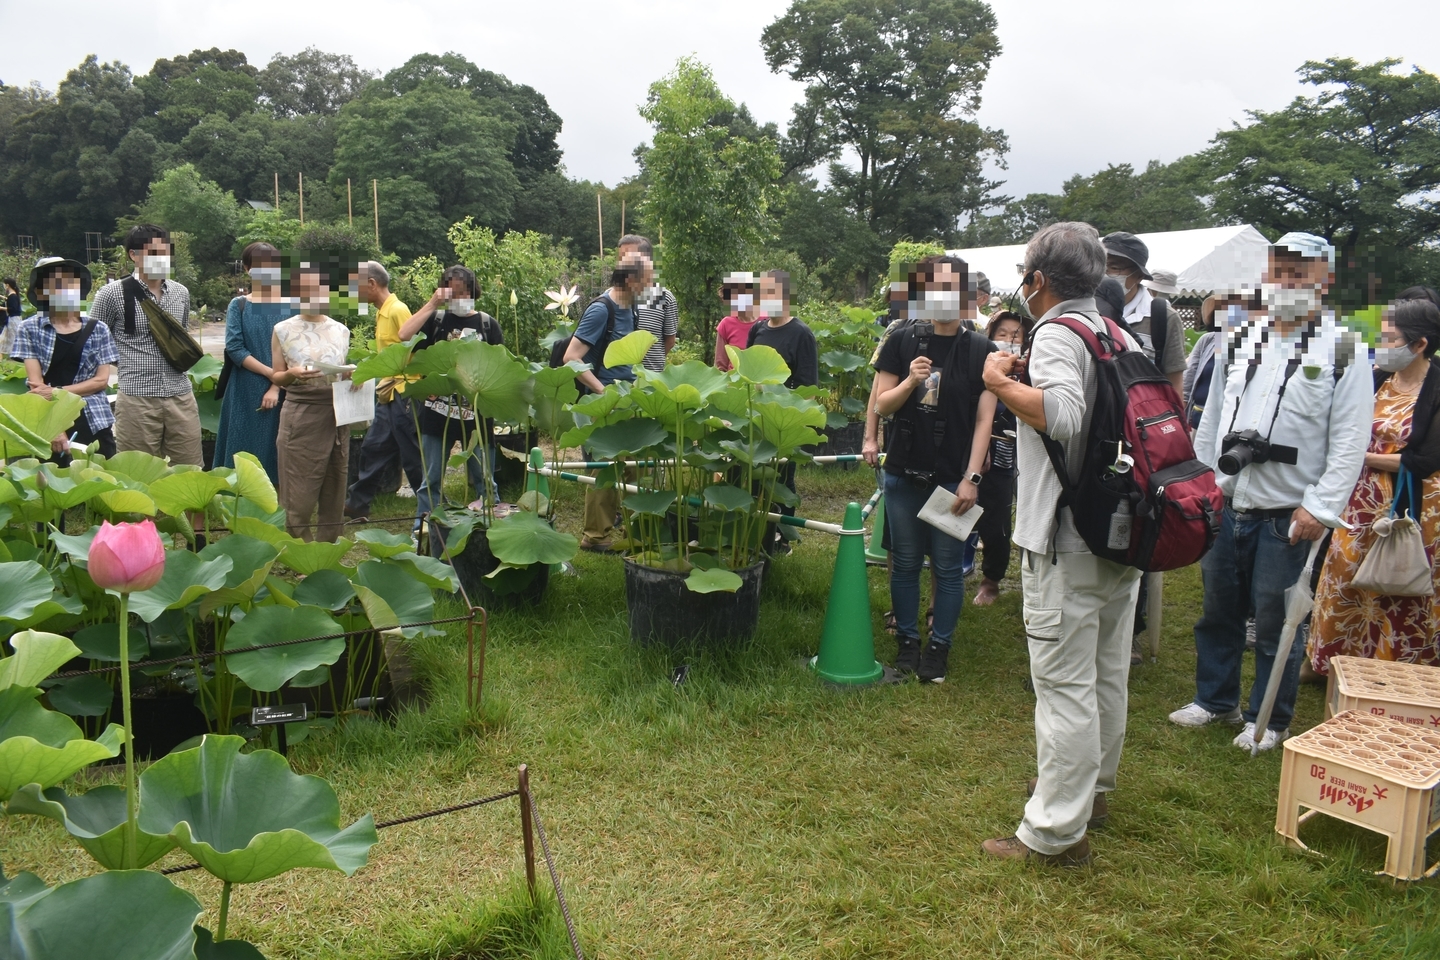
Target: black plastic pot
475,561
848,439
509,471
389,481
162,722
663,610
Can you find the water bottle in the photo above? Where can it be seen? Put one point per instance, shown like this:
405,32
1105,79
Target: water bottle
1121,524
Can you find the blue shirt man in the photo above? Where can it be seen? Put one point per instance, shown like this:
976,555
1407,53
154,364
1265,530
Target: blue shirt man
632,275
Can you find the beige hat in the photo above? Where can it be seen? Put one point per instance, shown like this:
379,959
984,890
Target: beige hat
1162,281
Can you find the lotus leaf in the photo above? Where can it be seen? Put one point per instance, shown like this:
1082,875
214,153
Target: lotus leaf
326,589
42,746
761,451
242,507
228,949
250,562
140,467
409,599
29,422
268,670
523,538
187,578
789,426
689,384
535,502
127,500
835,420
24,586
382,543
101,641
247,818
37,655
435,574
629,349
306,558
187,492
64,490
492,378
253,483
554,390
714,580
843,360
654,502
377,611
127,915
390,362
728,497
758,364
96,819
260,530
88,696
281,592
627,436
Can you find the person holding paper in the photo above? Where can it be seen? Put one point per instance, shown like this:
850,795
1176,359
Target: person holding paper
929,379
312,451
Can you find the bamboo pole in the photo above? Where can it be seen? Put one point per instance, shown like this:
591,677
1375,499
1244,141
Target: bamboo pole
600,219
622,216
302,199
375,196
349,203
277,193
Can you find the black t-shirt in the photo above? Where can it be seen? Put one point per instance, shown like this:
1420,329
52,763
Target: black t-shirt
451,416
796,345
64,359
913,422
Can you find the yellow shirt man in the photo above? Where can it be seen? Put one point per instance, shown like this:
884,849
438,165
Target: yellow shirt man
388,320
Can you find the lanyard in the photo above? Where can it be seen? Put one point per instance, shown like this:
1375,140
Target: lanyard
1290,367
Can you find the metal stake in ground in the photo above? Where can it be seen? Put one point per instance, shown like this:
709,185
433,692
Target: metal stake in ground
847,642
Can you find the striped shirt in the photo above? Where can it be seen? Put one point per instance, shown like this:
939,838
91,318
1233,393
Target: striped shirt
659,313
144,371
35,340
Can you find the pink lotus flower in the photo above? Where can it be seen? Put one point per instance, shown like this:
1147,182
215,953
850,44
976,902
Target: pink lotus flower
126,557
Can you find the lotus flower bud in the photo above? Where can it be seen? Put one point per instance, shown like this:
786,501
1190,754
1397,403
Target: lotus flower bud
126,557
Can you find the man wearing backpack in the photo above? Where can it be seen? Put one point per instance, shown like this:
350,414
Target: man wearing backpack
1078,606
609,317
1286,426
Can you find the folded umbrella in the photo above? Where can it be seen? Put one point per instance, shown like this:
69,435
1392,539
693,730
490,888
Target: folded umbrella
1299,601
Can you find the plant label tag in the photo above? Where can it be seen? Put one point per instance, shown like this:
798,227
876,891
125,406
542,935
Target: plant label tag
285,713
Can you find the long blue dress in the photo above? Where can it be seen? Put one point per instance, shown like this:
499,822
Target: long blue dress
244,427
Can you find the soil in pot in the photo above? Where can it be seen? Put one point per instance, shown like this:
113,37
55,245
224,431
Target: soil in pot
663,610
475,561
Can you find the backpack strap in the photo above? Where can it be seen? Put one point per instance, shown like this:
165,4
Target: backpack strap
1159,328
85,332
132,289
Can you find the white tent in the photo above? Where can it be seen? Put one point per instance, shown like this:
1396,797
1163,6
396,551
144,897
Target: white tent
1214,258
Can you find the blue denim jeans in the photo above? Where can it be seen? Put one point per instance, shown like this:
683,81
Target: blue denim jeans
436,452
1250,566
910,540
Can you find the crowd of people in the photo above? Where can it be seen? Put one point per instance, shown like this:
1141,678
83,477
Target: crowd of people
1312,449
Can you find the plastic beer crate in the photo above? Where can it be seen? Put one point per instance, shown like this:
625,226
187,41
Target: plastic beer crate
1407,692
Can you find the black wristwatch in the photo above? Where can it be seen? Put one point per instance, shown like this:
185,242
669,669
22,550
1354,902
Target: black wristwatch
975,478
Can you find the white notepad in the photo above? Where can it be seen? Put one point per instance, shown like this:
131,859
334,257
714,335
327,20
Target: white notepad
353,406
936,512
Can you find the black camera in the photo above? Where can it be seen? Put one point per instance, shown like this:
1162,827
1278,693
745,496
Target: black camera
1239,450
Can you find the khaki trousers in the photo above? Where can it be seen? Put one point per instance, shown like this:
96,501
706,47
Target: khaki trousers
601,506
1078,615
160,426
312,455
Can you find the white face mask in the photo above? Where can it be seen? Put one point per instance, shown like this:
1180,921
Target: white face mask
1005,346
265,276
1123,280
155,267
1290,303
939,306
772,308
65,300
1389,359
461,308
742,302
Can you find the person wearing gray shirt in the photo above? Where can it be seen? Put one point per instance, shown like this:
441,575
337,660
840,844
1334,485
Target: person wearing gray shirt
1078,608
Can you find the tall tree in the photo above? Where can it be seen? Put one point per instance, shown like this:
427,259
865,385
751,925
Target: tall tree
181,91
892,87
710,193
182,200
310,83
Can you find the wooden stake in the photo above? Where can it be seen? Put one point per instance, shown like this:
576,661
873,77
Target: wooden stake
349,203
375,197
302,199
622,216
277,192
600,219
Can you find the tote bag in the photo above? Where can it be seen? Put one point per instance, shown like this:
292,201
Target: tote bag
1396,565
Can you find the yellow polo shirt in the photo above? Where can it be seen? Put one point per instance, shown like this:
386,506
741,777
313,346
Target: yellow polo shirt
388,320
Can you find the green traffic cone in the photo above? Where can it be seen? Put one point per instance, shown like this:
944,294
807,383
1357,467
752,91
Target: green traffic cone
874,553
847,643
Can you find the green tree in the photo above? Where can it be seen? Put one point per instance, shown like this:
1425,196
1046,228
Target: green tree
895,85
181,91
439,157
1357,163
311,83
527,263
711,193
182,200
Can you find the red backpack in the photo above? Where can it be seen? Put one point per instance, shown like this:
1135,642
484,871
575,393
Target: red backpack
1142,498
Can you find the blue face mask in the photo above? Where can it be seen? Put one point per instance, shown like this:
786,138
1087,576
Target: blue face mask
1235,315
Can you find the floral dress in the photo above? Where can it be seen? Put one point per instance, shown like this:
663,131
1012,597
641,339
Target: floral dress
1354,623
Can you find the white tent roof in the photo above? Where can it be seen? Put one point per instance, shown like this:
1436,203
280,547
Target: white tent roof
1210,259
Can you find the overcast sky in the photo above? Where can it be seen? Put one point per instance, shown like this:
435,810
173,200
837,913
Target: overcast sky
1078,84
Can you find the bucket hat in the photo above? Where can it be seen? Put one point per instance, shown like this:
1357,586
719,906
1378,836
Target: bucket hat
1129,246
1163,281
48,265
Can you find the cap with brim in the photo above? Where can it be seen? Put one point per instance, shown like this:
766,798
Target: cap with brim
1130,247
1308,246
739,279
1162,281
48,265
982,282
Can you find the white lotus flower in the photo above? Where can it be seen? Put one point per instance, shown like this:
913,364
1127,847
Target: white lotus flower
562,300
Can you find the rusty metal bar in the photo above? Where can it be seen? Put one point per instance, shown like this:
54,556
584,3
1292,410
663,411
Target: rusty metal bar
527,831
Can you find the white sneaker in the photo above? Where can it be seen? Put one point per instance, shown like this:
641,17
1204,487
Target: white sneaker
1271,740
1194,715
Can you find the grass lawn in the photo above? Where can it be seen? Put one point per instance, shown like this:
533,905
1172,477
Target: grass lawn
752,813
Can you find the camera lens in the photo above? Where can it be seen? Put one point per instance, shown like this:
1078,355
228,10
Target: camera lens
1235,459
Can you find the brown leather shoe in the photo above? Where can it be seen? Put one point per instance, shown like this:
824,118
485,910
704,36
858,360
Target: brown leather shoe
1099,807
1013,848
988,593
597,546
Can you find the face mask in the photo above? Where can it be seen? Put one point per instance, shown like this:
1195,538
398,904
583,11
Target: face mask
939,306
462,308
313,306
155,267
1290,303
1234,315
742,302
1389,359
265,276
1005,346
65,301
1123,280
354,289
772,308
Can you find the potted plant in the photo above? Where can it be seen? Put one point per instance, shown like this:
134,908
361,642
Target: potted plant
512,559
708,445
846,338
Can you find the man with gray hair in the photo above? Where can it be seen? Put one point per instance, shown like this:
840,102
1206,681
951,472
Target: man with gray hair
1078,607
392,434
